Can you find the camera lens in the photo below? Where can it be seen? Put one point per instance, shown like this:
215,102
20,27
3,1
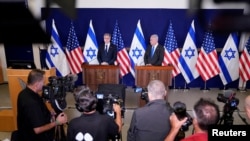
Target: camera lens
180,109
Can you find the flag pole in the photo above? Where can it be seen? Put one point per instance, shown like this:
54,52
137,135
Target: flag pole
174,85
205,87
185,87
224,87
242,89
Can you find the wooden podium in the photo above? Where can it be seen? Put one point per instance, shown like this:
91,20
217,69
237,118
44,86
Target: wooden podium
16,77
144,74
93,75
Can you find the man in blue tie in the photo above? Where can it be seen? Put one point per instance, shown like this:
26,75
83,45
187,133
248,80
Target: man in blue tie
154,53
107,52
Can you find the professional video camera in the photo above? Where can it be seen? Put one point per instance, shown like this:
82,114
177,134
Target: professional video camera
231,103
105,104
55,91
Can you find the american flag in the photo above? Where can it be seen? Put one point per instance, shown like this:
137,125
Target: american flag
245,62
172,53
207,62
122,55
74,52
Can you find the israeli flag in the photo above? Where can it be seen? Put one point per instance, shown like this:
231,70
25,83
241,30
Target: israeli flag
91,47
229,60
55,56
189,56
137,49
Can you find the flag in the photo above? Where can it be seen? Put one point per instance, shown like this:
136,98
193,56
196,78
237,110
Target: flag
229,60
244,64
189,56
55,56
74,52
171,53
91,47
243,40
122,54
137,49
207,62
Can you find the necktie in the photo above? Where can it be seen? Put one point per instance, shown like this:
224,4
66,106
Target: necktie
106,49
152,51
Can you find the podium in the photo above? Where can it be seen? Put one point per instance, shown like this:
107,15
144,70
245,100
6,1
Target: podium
144,74
93,75
16,79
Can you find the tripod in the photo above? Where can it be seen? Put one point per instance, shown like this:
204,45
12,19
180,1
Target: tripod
227,117
60,134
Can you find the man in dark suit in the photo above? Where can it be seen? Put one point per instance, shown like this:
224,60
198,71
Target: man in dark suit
151,122
154,53
107,53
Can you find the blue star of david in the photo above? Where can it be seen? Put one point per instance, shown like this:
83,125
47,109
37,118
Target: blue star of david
230,54
189,52
137,52
53,51
91,53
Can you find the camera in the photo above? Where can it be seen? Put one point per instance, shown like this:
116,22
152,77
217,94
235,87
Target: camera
55,91
144,93
180,111
231,103
105,104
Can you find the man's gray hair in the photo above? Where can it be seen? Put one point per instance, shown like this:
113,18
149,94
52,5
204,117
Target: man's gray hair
157,89
155,36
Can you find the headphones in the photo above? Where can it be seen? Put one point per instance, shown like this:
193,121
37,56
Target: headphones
85,99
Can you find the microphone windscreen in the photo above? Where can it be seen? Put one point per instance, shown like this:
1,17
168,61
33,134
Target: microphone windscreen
228,93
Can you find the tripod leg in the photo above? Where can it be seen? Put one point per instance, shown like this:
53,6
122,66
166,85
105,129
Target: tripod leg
221,119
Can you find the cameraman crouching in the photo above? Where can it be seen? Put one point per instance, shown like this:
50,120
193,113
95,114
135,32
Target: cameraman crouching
92,125
206,113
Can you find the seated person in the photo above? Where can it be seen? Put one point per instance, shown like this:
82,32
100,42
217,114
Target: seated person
92,125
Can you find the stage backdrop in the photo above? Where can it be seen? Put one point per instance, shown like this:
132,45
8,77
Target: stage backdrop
153,21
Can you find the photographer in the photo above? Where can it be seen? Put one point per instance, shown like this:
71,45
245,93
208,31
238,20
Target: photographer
206,113
92,125
150,123
34,121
